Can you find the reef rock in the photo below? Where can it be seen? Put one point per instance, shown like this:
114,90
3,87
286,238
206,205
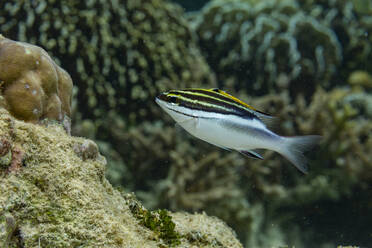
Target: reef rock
59,197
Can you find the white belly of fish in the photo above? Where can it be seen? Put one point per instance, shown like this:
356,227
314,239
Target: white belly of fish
230,132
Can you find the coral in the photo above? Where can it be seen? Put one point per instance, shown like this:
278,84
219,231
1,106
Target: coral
32,86
62,200
191,5
121,54
269,46
266,46
352,25
360,80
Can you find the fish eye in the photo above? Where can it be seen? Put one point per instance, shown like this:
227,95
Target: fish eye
172,99
216,90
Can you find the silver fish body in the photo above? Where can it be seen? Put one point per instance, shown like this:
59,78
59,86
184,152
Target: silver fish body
223,120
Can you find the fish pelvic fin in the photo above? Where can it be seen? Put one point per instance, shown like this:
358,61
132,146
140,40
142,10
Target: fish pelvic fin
251,154
294,148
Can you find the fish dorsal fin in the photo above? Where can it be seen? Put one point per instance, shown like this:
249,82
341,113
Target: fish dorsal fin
251,154
233,98
268,120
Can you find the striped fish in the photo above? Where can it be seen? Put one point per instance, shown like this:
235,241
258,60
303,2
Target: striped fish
227,122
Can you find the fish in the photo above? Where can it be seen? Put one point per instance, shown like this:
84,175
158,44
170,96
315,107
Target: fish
223,120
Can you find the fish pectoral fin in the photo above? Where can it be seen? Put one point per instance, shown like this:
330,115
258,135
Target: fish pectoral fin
187,122
251,154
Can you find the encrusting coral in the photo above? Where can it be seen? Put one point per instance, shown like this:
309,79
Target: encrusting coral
32,86
61,199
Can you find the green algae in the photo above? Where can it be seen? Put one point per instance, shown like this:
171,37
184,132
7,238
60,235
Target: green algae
158,221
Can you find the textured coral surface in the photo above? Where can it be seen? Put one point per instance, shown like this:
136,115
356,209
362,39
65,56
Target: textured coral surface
62,199
32,86
271,45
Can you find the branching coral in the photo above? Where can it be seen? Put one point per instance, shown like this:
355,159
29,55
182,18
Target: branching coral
32,86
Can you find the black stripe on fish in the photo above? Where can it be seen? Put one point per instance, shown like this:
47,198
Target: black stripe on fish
210,103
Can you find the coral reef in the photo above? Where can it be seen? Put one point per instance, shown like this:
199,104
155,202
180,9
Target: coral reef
59,199
352,24
119,54
32,86
122,54
266,46
272,45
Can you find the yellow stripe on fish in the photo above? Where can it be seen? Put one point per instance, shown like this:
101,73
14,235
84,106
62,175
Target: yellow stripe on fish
214,99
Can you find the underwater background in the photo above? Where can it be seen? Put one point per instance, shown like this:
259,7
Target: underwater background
307,62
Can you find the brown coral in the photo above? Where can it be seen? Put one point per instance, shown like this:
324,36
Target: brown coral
32,86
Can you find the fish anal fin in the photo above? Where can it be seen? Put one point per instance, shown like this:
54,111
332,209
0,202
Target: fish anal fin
251,154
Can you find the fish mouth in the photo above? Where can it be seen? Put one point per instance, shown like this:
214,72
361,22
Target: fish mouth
182,113
162,96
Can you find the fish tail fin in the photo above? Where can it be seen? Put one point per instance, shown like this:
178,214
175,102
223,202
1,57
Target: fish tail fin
294,148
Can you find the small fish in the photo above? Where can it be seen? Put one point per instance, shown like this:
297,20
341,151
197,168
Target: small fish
221,119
